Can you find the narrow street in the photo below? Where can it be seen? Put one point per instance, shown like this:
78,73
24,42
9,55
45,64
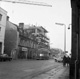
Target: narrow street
28,69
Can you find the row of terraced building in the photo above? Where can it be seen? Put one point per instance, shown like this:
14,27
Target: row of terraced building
22,41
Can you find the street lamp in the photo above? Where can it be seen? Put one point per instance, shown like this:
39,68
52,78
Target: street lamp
69,26
64,34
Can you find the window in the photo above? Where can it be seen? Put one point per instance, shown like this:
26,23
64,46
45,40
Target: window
0,17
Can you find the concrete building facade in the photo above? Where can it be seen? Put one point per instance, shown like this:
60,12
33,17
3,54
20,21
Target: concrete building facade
23,42
3,15
32,38
11,39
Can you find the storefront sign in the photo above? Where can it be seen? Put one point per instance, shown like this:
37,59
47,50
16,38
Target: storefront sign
24,49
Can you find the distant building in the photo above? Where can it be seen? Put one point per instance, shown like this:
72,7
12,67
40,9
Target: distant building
3,15
11,39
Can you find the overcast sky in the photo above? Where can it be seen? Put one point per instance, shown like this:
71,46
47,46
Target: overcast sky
60,12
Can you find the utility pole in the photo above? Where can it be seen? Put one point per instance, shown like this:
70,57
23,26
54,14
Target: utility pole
62,24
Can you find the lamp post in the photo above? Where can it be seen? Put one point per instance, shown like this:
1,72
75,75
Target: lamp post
69,27
64,34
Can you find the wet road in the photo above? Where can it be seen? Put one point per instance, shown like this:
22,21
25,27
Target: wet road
25,69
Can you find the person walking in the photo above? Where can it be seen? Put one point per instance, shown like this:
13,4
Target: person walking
64,60
68,61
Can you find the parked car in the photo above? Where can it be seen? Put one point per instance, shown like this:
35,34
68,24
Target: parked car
5,57
58,59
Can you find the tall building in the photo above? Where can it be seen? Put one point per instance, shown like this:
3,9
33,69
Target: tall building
11,39
3,15
41,36
32,38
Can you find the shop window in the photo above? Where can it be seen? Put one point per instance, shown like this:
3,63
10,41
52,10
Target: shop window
0,17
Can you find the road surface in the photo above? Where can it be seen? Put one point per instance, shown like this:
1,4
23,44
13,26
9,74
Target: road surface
25,69
59,72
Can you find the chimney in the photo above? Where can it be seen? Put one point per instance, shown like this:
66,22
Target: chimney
7,18
21,25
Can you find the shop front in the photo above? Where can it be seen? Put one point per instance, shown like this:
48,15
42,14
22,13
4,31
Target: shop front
32,53
23,51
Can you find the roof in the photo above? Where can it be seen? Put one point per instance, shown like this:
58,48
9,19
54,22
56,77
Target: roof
34,27
10,25
2,10
43,29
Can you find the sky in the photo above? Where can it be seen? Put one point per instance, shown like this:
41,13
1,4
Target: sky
60,12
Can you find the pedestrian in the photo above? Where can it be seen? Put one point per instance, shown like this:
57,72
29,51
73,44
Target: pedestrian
68,61
64,60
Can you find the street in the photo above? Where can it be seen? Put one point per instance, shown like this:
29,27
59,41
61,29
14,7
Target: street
59,72
26,69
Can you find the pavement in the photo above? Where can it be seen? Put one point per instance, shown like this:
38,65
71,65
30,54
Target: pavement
64,74
57,73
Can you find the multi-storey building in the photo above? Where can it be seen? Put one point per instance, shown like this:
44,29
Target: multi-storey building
32,38
3,15
11,39
41,36
27,44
